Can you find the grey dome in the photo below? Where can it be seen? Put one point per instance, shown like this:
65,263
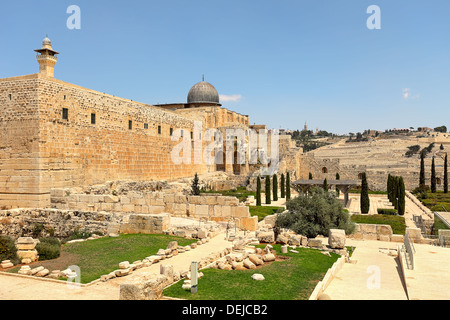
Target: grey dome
203,92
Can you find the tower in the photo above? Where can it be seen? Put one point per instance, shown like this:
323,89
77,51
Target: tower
46,58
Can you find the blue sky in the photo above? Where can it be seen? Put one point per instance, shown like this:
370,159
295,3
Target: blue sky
281,62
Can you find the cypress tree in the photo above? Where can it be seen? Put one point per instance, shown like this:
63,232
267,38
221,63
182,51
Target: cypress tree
338,177
401,196
395,195
275,187
365,202
195,188
433,177
282,186
288,186
389,187
325,184
445,175
267,189
422,171
258,191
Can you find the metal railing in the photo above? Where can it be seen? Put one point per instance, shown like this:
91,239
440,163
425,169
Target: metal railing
418,220
409,251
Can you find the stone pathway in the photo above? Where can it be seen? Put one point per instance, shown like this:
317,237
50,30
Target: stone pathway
375,275
29,288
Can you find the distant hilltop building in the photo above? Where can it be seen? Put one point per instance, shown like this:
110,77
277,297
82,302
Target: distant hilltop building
395,130
59,135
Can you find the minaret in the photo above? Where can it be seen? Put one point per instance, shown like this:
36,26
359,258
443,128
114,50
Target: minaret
47,58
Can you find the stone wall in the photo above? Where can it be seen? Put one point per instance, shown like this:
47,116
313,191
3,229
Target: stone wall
58,223
379,232
20,165
40,150
176,204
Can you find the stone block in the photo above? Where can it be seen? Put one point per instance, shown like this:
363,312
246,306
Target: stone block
384,229
336,239
315,243
397,238
201,210
148,287
241,212
248,224
368,228
266,237
109,198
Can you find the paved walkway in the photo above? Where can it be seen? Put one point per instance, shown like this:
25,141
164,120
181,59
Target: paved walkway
430,278
28,288
375,275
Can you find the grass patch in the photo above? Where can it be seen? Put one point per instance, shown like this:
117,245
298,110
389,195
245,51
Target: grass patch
241,193
438,224
102,256
397,223
438,201
262,211
292,279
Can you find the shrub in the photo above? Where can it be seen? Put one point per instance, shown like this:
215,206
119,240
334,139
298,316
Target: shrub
8,250
315,213
48,248
37,229
390,212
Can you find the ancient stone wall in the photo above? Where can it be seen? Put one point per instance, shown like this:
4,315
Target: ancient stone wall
20,165
57,223
55,134
176,204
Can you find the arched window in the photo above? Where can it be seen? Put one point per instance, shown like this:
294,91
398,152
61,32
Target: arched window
360,175
324,170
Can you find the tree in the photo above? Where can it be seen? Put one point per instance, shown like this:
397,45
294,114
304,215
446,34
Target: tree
445,175
288,186
338,177
441,147
275,187
395,182
433,177
442,129
388,187
195,188
401,197
283,186
258,191
365,202
325,184
268,190
314,213
422,171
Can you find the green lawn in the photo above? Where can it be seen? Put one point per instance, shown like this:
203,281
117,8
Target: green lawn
263,211
437,201
397,223
103,255
292,279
